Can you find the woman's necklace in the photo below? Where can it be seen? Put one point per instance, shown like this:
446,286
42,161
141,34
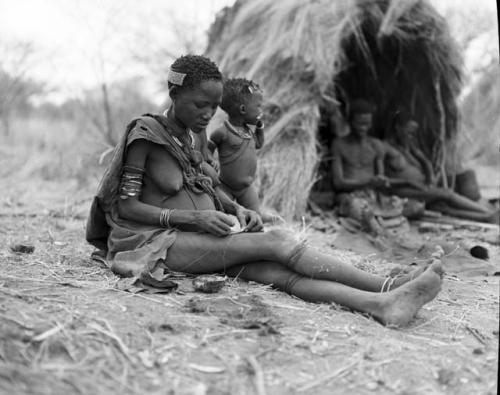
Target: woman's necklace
180,143
175,138
247,134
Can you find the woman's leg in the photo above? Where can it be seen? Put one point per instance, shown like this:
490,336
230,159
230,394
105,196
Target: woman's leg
204,253
432,195
490,217
393,308
460,202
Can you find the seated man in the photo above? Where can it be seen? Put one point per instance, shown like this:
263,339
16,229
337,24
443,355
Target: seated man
358,173
405,162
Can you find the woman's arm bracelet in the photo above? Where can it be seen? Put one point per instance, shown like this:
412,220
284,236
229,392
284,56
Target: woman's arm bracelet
131,182
165,217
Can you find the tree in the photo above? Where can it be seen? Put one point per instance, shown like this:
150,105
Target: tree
16,85
124,99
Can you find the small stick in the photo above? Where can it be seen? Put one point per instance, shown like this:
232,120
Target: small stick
123,348
47,334
22,325
144,297
458,325
442,131
478,335
324,379
284,306
259,376
263,352
217,334
42,280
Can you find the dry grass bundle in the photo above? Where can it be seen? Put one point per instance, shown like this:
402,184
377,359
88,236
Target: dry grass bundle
313,57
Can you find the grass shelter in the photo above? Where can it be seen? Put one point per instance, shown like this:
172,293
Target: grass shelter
312,57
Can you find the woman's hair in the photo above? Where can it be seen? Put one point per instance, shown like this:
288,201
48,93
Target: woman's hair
360,106
196,69
236,92
401,117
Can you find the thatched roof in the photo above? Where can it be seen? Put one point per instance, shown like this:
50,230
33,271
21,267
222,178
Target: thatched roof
317,55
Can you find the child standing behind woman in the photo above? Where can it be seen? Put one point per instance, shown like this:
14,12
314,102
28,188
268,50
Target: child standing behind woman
237,143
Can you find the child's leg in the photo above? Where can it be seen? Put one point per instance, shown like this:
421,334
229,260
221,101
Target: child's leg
394,308
249,199
204,253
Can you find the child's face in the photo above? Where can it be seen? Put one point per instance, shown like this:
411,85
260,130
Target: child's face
253,108
361,124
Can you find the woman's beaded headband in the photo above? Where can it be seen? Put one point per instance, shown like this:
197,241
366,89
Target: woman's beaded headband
253,87
175,77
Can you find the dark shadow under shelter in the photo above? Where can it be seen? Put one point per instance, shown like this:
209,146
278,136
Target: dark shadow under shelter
314,57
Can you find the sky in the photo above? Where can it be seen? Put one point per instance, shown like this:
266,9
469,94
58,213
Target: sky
75,39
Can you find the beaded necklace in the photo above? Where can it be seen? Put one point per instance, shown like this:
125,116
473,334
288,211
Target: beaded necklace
180,143
247,134
176,139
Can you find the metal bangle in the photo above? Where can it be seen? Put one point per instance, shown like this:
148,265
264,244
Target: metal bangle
164,217
168,218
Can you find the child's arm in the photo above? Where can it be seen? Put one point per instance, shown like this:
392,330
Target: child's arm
216,139
259,134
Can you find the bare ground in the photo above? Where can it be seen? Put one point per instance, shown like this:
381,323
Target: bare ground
66,327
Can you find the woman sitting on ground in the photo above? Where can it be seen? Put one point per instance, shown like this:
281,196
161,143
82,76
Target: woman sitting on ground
162,213
410,175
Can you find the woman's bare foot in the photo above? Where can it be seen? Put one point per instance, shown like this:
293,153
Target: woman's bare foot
398,307
403,276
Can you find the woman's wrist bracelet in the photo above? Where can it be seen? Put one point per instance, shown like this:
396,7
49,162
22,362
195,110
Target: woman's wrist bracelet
165,217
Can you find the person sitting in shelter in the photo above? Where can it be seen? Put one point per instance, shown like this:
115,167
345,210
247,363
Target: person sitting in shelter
405,162
155,212
237,143
358,172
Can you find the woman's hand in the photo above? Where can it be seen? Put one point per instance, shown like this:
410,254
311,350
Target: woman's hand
214,222
250,221
380,181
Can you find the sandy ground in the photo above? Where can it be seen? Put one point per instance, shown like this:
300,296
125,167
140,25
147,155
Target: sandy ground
67,326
